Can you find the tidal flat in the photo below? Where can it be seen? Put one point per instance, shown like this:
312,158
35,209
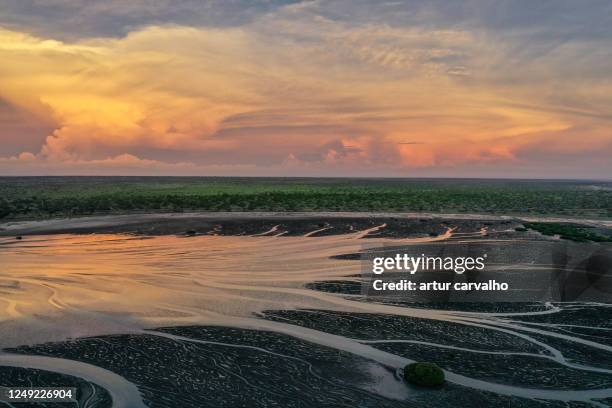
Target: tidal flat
223,311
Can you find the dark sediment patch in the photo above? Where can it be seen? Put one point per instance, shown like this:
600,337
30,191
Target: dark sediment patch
579,314
365,326
88,395
344,287
579,353
472,351
516,370
348,257
244,224
254,369
241,368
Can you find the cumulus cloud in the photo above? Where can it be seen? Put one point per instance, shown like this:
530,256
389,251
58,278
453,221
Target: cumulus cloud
293,87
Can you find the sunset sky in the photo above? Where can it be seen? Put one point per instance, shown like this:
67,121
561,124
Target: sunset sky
314,88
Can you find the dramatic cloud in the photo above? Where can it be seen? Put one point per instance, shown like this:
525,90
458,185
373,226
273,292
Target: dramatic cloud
321,88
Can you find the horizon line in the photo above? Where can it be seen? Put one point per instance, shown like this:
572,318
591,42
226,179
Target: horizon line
609,180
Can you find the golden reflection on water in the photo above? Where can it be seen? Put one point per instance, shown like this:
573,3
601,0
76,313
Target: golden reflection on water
59,286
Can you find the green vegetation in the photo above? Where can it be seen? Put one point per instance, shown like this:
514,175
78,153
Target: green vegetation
424,374
572,232
42,197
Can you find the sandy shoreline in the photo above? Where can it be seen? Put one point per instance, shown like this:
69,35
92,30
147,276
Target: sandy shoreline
172,223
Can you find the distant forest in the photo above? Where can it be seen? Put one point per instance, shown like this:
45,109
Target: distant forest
44,197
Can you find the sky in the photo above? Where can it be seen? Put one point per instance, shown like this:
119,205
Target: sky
474,88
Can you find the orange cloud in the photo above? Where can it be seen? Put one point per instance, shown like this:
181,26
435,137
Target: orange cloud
288,90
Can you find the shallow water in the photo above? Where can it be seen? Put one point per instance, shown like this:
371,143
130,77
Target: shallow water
60,287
